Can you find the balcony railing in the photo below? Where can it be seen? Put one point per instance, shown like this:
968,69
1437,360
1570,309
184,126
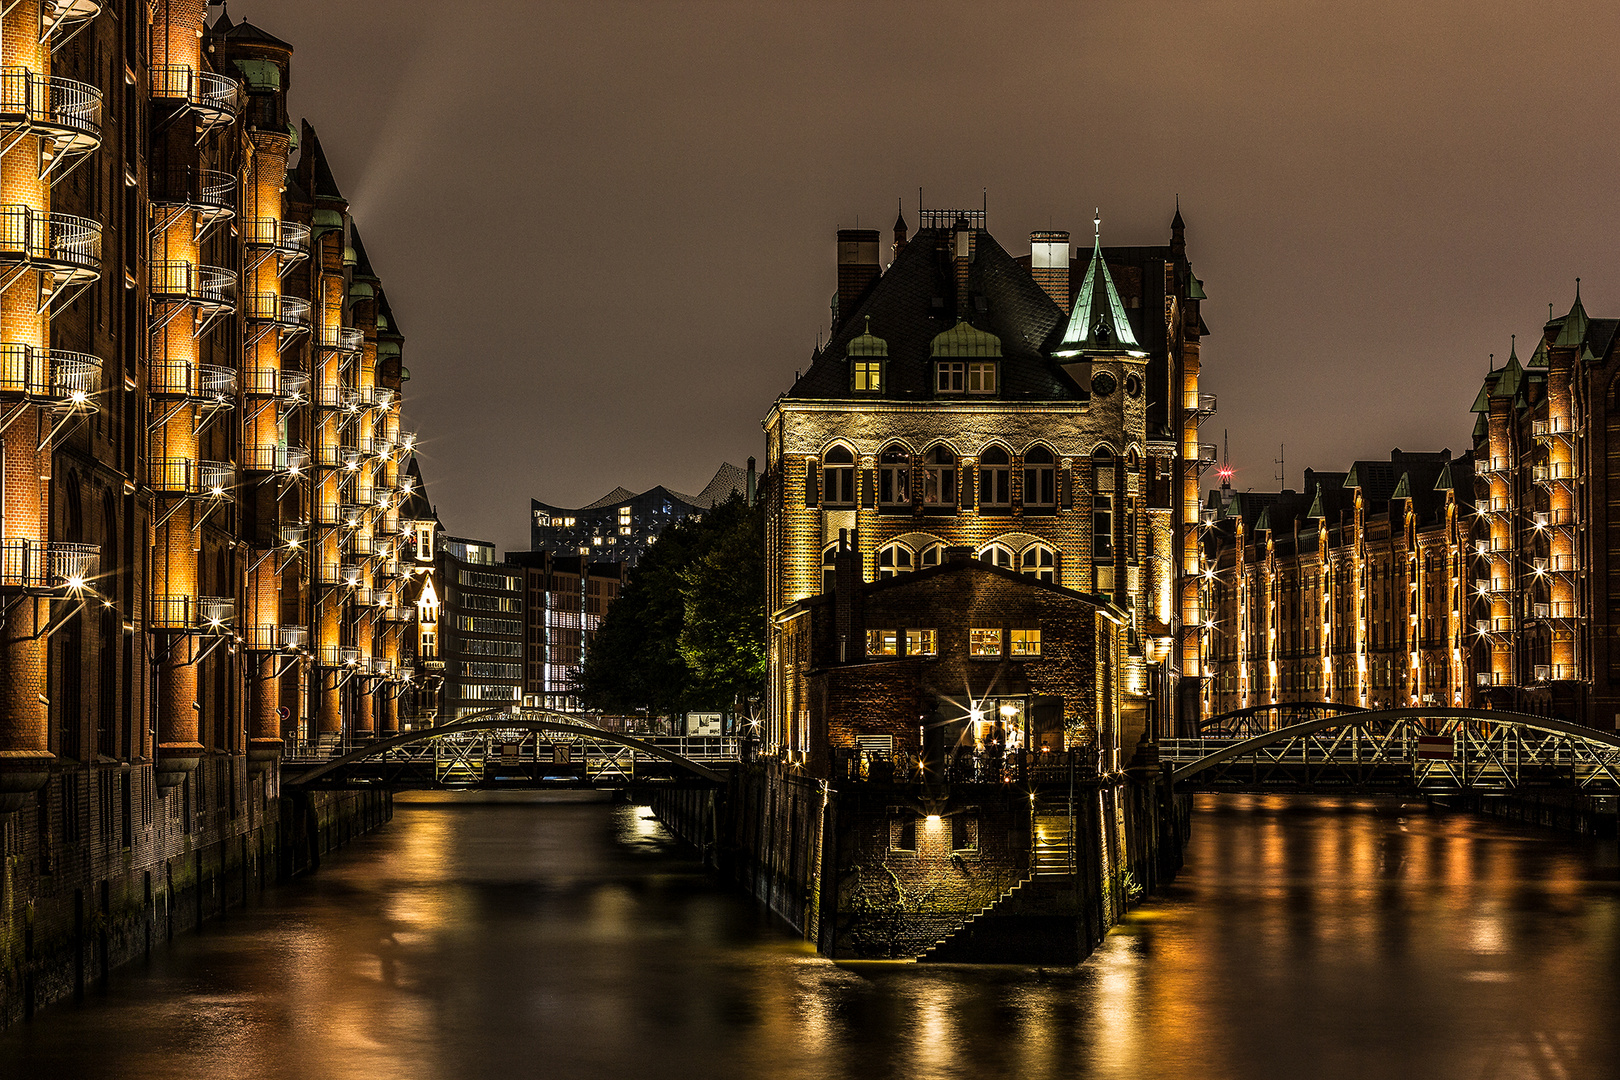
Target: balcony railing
354,515
190,283
207,614
269,637
41,567
387,523
339,656
261,382
294,387
396,613
55,377
1552,472
377,397
326,513
289,313
214,99
291,460
64,110
1563,564
62,243
205,191
340,339
333,396
185,476
294,536
377,447
288,239
362,543
1552,426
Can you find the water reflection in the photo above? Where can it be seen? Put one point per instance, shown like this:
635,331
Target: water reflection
1341,939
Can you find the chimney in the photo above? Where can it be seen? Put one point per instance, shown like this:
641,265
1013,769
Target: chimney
858,267
848,620
1049,264
963,236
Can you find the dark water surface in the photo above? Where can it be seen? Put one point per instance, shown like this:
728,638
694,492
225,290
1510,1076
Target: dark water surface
1349,939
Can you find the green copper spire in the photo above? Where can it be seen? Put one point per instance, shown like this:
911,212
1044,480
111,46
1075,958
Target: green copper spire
1575,323
1098,322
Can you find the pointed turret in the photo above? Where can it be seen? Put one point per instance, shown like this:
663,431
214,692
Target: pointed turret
1178,233
900,232
1098,323
1573,332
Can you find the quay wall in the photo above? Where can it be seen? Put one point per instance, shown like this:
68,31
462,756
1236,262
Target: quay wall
103,867
872,870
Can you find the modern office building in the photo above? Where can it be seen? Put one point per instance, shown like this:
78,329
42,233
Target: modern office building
621,525
565,599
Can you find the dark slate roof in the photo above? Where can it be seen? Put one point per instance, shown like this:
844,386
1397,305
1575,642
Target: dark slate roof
362,265
1376,479
416,504
1328,496
245,31
1003,300
388,313
617,495
325,185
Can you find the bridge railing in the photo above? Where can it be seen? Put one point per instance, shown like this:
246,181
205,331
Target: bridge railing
512,748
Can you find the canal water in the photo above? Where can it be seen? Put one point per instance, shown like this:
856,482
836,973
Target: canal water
576,939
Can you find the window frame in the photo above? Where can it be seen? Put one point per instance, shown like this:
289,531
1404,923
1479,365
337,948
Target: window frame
1014,641
957,372
928,638
1041,476
838,478
882,642
995,478
981,368
894,474
976,642
939,476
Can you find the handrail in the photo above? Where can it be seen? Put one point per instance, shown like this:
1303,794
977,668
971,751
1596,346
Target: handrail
51,564
67,107
203,91
200,188
65,240
531,720
340,339
57,376
193,282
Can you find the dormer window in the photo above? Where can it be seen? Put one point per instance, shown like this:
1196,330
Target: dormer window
866,376
981,377
950,377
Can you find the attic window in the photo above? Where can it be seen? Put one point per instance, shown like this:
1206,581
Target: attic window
950,377
981,377
866,376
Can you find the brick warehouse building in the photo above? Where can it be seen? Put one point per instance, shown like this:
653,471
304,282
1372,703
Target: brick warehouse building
988,454
1350,590
1482,580
962,399
200,436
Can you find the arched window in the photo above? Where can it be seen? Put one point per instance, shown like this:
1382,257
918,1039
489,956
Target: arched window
1039,562
939,477
995,479
828,558
932,555
838,477
894,477
996,555
1040,478
895,559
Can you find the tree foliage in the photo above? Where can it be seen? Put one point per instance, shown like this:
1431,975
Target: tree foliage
688,632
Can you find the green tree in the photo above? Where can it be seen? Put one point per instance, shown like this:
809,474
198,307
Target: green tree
689,629
723,635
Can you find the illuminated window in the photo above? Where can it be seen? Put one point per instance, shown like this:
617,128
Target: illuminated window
838,477
1040,477
428,647
981,378
921,643
984,641
894,477
882,643
1024,642
1102,506
950,377
867,376
424,541
995,478
624,530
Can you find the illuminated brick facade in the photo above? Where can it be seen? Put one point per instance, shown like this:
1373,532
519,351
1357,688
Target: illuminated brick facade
964,401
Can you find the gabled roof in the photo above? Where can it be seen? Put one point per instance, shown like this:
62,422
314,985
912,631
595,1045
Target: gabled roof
1508,380
1098,322
362,264
728,480
325,186
415,504
915,301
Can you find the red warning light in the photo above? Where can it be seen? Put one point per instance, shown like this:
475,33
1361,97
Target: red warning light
1225,473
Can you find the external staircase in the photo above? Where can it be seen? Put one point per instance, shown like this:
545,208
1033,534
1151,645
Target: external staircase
1037,920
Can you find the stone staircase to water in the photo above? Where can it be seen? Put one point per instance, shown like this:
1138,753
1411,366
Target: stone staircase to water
1037,920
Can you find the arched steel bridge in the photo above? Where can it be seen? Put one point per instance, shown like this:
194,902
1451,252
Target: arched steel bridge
1405,750
1259,719
529,749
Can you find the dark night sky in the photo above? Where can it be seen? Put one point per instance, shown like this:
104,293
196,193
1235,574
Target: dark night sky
607,228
